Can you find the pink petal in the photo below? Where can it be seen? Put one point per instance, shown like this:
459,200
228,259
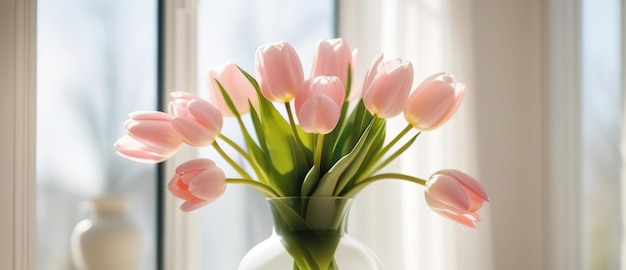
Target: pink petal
473,216
183,95
193,205
208,185
462,219
459,94
448,191
292,69
332,58
371,73
434,101
428,106
179,189
150,115
319,114
134,150
193,133
207,115
155,134
441,209
387,93
279,71
429,79
194,165
467,181
235,84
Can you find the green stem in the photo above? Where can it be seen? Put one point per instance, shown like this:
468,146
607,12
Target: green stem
294,130
394,155
385,176
394,141
319,148
246,156
230,161
368,170
269,191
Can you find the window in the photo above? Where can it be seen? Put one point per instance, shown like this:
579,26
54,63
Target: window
96,63
601,123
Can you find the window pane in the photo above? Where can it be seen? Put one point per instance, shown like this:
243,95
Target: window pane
96,63
231,31
601,123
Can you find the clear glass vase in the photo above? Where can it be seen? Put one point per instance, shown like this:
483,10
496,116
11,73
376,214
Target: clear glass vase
310,234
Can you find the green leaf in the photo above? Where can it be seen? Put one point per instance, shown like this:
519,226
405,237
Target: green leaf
258,153
372,144
310,181
251,79
229,101
329,180
357,122
286,160
255,151
349,81
396,154
307,141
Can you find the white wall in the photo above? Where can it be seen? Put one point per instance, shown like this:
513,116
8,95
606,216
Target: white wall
519,59
509,116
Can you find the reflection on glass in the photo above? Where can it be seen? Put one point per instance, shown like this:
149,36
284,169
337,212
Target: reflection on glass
231,31
601,110
96,63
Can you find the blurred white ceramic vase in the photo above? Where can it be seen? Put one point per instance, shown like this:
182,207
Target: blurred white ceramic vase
106,239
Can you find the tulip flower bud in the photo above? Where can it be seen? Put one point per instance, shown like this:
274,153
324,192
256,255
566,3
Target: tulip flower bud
434,101
279,71
318,104
197,120
455,195
235,84
198,182
387,86
332,58
151,138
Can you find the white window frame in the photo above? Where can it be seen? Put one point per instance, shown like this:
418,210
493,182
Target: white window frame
560,246
562,155
17,139
181,247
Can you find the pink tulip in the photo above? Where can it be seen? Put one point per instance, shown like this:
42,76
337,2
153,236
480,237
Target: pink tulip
387,86
235,84
197,120
279,71
434,101
332,58
198,182
455,195
318,104
151,138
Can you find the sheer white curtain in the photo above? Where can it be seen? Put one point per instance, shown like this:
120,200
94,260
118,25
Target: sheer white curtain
494,47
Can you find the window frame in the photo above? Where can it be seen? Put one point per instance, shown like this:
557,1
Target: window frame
177,53
18,76
562,174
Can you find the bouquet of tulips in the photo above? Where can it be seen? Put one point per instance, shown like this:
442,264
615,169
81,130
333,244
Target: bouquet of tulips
332,141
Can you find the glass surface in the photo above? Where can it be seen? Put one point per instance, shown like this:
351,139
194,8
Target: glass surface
231,31
96,63
601,132
315,238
